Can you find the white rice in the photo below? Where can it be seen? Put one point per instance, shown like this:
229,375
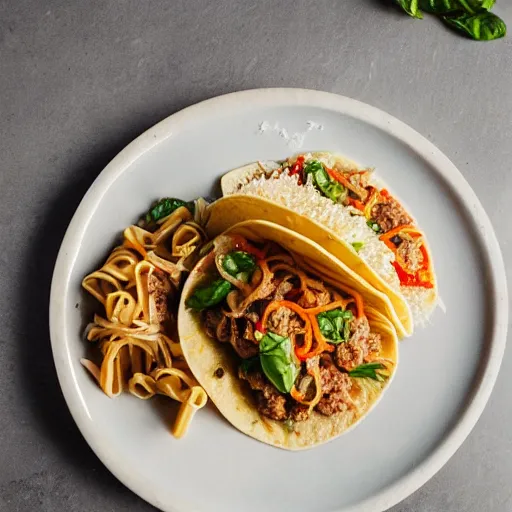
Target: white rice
306,200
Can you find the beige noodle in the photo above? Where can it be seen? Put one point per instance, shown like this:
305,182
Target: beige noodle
136,354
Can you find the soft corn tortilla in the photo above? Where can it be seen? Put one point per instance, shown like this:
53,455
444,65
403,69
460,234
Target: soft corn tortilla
230,210
232,396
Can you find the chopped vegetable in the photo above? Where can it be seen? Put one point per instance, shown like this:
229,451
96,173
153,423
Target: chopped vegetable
369,371
423,276
373,225
335,325
276,361
208,296
324,183
239,264
165,207
357,246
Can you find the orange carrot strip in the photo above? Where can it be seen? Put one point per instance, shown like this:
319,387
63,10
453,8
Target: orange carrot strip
308,336
408,228
327,307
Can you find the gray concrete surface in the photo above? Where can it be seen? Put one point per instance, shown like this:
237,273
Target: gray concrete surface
79,80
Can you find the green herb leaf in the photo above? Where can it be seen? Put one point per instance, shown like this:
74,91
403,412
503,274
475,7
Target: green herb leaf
451,6
372,224
330,188
208,296
368,371
276,361
357,246
411,7
335,325
483,26
239,264
165,207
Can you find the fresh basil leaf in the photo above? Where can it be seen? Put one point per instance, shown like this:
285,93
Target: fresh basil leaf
165,207
238,262
357,245
277,362
483,26
330,188
368,371
451,6
208,296
335,325
411,7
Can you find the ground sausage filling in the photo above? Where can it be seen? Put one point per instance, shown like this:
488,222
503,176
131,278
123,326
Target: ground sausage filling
299,343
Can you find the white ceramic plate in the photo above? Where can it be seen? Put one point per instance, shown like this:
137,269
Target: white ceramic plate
446,370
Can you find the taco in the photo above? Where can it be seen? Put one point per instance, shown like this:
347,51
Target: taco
291,350
350,213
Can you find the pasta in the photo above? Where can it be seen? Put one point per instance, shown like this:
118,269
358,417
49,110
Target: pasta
134,337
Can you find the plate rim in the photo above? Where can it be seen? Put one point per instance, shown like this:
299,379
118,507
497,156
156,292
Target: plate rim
279,97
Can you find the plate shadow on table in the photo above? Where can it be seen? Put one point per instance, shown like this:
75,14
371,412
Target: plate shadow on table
38,377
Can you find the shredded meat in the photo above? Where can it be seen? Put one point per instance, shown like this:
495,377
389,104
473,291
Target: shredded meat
252,316
270,401
335,388
243,347
217,325
374,342
359,331
284,322
159,288
249,332
359,346
299,412
348,356
282,289
390,214
314,298
409,252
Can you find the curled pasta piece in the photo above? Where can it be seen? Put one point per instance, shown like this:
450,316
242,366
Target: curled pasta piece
99,284
143,271
186,240
139,239
140,328
170,224
173,270
112,378
121,265
177,385
142,386
121,307
196,400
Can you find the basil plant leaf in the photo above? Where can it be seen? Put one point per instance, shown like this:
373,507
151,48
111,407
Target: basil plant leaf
277,362
368,371
335,325
208,296
411,7
483,26
165,207
330,188
239,262
452,6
